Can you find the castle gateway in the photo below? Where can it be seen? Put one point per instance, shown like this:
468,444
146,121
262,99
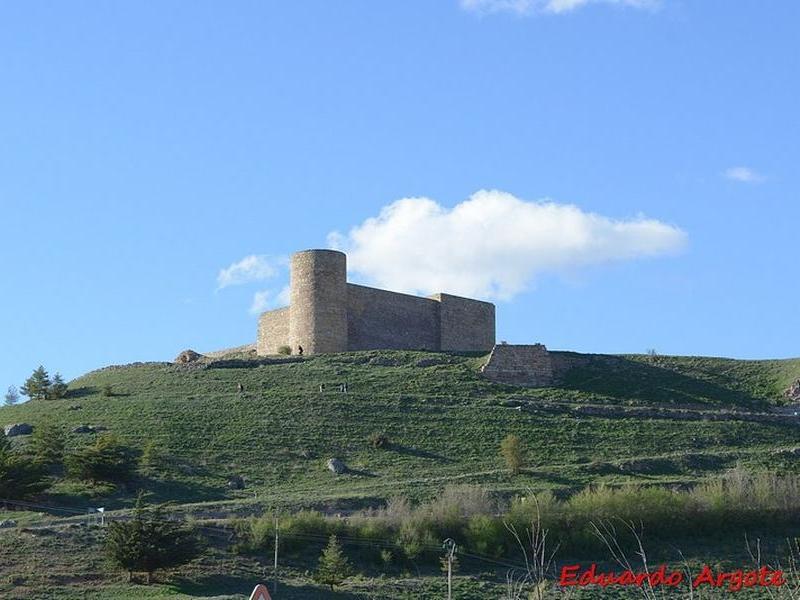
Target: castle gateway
327,314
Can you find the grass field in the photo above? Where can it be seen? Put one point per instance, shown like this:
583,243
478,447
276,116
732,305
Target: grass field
445,424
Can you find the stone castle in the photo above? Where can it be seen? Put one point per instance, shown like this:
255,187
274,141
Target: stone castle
328,314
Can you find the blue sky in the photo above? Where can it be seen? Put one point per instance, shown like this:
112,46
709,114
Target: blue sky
643,155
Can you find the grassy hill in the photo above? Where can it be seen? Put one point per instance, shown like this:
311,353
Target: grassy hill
444,421
615,419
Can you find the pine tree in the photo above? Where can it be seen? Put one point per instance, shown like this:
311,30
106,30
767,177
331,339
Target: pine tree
12,396
47,444
37,385
334,567
106,460
513,453
58,388
151,542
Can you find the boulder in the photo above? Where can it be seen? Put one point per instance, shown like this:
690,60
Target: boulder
336,465
18,429
236,482
84,429
793,391
7,523
188,356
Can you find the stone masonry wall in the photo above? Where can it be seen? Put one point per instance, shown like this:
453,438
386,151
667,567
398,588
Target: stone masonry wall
273,331
529,365
318,292
466,324
381,319
327,314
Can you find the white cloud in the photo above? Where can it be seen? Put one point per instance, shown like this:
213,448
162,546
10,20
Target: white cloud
260,302
250,268
492,245
529,7
743,175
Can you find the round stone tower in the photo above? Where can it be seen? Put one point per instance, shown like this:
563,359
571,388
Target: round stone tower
318,284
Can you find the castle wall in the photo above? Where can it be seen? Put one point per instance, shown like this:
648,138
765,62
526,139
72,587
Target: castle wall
382,319
466,324
524,365
273,331
318,285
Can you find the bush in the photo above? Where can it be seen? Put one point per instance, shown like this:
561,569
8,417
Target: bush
513,453
486,535
108,390
284,350
379,441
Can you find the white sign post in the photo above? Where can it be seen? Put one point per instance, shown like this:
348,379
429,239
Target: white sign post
260,593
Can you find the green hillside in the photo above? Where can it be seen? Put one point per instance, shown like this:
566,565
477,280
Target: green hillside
619,420
444,421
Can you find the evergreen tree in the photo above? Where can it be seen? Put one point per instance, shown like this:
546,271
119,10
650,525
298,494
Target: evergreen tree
106,460
20,477
37,386
58,388
334,567
47,444
151,542
513,453
12,396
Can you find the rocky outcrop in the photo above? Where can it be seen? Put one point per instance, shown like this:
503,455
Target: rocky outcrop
336,465
187,357
236,482
16,429
89,429
793,391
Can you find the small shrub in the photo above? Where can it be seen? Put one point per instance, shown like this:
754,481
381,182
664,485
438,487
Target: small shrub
386,557
513,453
379,441
486,535
108,390
284,350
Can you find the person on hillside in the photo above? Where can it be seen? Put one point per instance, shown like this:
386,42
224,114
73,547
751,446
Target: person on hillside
299,350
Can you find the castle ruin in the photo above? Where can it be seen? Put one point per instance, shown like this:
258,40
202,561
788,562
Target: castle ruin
328,314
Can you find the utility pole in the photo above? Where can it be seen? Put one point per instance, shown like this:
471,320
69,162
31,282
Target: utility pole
450,550
275,570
